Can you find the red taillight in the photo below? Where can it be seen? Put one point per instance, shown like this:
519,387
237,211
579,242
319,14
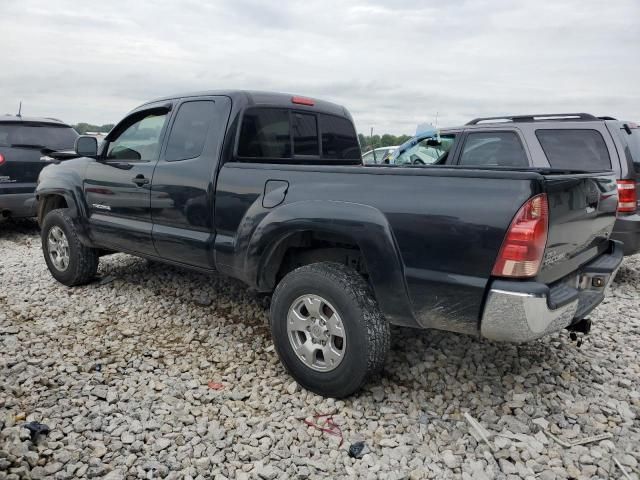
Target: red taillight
303,101
523,247
1,159
627,196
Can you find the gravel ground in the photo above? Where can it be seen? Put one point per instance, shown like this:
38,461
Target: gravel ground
155,372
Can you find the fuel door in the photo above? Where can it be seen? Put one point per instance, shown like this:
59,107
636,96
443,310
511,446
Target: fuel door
275,192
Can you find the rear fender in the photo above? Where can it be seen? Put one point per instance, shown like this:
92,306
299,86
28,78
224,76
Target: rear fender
366,226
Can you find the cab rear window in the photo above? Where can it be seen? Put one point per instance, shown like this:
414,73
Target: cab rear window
581,149
272,134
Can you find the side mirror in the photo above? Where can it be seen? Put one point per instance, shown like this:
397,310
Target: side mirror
433,142
86,146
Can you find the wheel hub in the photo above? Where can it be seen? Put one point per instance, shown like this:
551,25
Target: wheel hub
316,333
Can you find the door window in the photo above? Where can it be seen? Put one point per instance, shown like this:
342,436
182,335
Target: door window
189,130
139,141
496,149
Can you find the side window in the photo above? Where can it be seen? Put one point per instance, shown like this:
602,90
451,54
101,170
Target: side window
140,141
265,134
339,139
500,149
575,149
189,130
305,134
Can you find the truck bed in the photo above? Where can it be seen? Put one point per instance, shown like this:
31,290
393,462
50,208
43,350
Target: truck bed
445,224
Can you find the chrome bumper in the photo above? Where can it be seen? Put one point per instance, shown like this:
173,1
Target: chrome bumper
513,315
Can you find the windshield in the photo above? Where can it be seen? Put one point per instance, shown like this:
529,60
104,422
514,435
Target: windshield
427,152
37,136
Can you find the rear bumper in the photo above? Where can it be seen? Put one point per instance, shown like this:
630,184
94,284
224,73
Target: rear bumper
18,204
627,231
523,311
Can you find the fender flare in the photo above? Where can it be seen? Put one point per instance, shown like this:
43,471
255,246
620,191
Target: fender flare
73,195
365,225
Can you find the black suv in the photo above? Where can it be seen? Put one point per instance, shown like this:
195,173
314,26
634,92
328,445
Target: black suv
573,141
22,142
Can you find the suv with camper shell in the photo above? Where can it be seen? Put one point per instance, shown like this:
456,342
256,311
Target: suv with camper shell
573,141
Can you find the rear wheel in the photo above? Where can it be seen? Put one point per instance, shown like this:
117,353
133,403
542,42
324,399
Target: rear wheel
69,261
327,329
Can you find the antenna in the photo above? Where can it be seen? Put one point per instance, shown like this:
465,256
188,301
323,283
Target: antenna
20,109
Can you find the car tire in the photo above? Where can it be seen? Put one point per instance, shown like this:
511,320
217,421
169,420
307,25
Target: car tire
68,260
341,365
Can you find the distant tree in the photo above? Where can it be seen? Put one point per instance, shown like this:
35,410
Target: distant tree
387,140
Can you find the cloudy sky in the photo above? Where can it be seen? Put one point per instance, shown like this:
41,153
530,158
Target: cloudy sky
394,64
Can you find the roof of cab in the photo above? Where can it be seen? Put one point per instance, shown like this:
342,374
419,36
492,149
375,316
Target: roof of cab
18,119
247,98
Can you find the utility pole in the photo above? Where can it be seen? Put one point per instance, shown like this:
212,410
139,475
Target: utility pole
373,147
20,109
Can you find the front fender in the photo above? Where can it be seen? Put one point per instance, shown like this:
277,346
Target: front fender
366,226
60,180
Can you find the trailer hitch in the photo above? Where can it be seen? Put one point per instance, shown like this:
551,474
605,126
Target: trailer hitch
582,326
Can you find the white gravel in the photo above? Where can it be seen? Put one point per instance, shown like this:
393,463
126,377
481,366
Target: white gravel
120,370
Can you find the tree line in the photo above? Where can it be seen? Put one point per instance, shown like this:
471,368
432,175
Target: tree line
83,128
368,142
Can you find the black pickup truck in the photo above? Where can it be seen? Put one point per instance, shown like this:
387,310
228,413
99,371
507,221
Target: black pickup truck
270,189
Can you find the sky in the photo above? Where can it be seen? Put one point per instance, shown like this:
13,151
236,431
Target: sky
393,64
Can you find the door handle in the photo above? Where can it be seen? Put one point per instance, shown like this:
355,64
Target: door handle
140,180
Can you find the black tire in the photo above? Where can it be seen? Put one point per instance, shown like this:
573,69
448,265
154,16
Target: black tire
367,332
83,261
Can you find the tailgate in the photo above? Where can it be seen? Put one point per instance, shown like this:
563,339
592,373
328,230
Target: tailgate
582,212
21,166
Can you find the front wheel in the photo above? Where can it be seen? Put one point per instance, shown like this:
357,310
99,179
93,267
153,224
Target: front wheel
327,329
69,261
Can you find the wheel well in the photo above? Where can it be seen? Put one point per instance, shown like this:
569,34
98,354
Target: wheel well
304,248
48,203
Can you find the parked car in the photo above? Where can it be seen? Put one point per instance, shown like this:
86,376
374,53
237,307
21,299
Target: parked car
575,141
378,155
427,148
22,142
285,205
